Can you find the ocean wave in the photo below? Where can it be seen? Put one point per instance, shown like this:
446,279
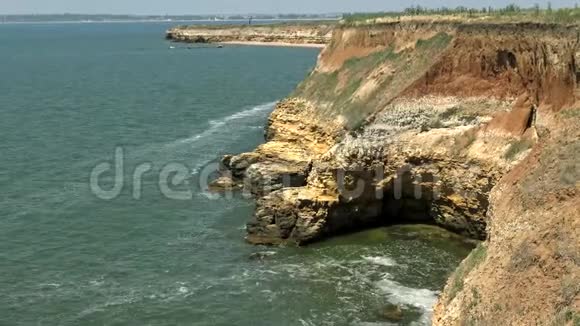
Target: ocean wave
217,125
423,299
250,112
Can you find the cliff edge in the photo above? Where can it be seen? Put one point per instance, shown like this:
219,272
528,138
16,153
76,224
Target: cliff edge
472,127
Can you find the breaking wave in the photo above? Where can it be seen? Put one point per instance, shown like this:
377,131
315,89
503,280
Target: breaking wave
423,299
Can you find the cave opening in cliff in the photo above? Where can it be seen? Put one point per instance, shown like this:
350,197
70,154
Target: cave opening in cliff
506,60
408,199
370,201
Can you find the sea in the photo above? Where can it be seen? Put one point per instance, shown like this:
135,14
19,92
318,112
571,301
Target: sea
105,129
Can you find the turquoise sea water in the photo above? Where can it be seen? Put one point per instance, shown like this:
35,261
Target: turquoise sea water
72,93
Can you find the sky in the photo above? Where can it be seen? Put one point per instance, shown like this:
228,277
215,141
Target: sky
174,7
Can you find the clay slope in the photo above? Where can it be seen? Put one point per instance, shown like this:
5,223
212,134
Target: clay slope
470,127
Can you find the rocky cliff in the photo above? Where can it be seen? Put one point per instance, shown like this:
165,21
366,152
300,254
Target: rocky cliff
297,34
472,127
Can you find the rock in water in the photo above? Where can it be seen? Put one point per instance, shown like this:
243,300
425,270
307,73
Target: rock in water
222,184
260,256
392,313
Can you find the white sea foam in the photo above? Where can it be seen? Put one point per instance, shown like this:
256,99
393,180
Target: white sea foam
116,301
304,322
269,253
53,285
250,112
217,125
378,260
421,298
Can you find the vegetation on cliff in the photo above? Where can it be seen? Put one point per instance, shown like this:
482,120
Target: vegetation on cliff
349,88
509,14
470,126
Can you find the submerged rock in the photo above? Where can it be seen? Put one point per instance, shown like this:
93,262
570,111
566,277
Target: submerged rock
222,184
261,256
392,313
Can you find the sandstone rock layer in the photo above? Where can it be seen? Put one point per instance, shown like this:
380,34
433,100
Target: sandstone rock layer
298,34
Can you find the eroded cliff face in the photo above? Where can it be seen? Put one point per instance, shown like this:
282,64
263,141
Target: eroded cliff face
275,33
470,127
528,270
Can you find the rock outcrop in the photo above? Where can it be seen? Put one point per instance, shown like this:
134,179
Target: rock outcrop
299,34
473,127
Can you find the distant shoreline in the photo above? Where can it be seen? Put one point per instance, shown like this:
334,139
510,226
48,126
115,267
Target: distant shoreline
163,21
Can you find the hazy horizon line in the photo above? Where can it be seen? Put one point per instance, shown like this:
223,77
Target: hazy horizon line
249,13
181,14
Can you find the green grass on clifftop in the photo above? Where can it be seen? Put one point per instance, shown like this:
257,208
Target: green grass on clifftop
508,14
364,85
